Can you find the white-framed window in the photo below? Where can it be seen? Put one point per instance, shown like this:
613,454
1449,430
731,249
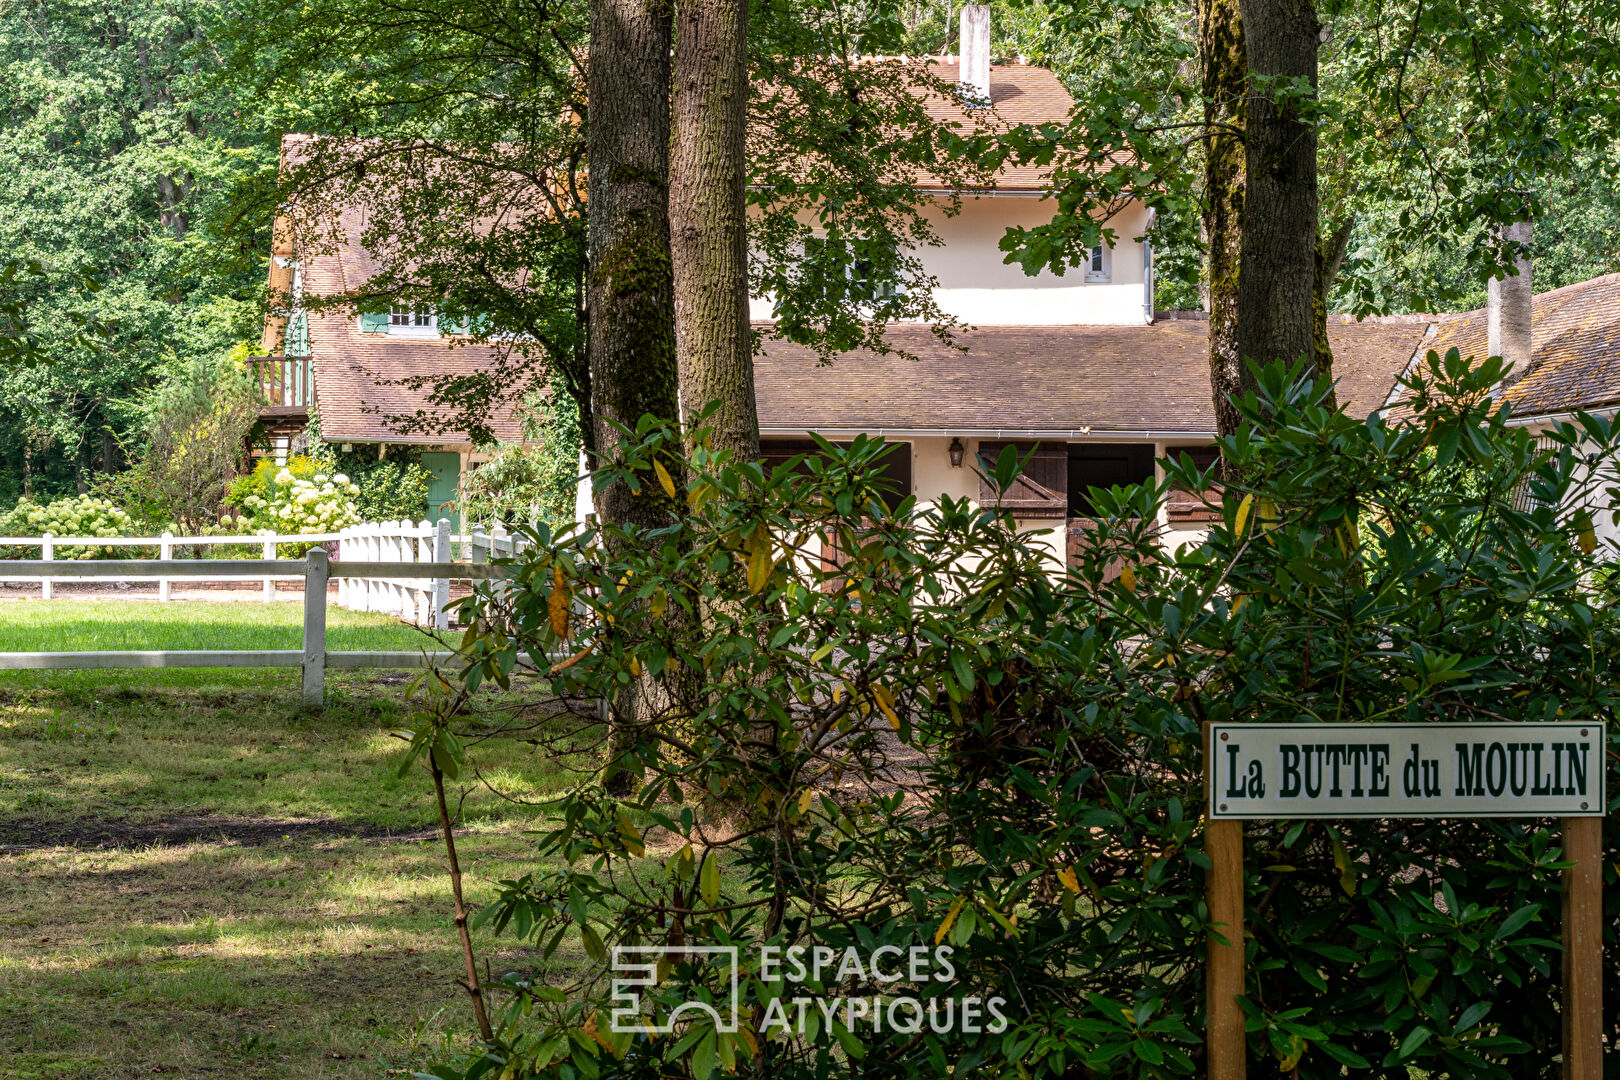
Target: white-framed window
412,322
858,272
406,320
1098,264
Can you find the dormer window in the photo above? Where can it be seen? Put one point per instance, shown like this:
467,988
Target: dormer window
405,318
1097,268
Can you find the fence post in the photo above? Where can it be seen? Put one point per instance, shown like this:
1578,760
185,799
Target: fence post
441,586
315,574
424,586
165,553
343,553
269,583
498,540
480,546
47,551
368,586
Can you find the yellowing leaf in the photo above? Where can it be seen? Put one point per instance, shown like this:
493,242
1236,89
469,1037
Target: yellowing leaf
657,602
885,701
1243,513
635,666
821,654
1586,537
760,565
746,1034
838,693
664,480
950,918
1127,577
1346,868
590,1029
564,665
558,603
805,799
1070,881
709,881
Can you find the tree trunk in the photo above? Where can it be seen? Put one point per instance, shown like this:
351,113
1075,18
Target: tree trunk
708,222
630,294
1329,255
1220,34
630,291
1278,273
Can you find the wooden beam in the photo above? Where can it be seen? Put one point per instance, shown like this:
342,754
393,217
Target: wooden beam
1583,948
1224,1042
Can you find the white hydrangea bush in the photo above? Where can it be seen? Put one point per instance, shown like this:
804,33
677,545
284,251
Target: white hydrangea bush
317,504
81,516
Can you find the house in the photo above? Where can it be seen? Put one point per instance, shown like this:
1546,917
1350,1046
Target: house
1077,367
1564,345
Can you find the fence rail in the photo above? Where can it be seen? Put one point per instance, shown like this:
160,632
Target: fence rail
391,542
315,570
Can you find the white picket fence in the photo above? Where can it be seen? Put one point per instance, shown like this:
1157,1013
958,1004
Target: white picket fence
414,599
313,657
166,544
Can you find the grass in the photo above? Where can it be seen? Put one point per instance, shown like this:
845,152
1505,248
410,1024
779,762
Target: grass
199,878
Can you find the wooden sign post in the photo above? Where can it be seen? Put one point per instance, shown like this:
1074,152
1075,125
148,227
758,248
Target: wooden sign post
1327,771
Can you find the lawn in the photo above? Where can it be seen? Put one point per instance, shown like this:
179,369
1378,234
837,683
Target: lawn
200,878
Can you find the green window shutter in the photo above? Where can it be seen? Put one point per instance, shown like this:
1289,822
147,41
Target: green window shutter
480,324
298,335
374,322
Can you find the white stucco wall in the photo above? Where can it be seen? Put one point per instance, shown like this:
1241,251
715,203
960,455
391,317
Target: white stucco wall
977,287
1596,497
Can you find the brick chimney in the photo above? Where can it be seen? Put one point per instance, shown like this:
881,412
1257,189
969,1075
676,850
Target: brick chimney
974,78
1507,310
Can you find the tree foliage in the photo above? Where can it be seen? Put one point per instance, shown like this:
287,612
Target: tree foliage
897,728
117,162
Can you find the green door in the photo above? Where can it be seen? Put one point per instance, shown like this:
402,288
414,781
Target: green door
446,470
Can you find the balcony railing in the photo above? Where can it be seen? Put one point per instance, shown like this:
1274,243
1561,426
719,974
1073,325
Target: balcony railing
286,382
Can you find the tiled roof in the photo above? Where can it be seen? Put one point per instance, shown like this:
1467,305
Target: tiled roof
355,372
1019,94
1055,379
1576,358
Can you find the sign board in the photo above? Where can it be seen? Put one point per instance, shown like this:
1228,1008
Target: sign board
1405,770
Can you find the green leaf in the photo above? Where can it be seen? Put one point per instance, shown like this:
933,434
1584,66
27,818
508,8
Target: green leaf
703,1056
1413,1042
709,880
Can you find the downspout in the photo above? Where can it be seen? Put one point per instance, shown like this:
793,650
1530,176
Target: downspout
1148,313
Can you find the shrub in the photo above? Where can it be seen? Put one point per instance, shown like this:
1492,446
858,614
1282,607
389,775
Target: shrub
517,484
298,497
83,515
197,424
934,743
388,490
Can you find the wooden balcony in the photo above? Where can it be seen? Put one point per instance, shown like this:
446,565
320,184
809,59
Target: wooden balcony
286,384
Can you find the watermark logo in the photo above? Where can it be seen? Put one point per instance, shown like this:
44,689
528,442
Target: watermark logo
901,1003
635,970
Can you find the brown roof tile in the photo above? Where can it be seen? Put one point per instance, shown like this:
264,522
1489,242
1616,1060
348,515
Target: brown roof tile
356,373
1044,379
1576,347
1019,94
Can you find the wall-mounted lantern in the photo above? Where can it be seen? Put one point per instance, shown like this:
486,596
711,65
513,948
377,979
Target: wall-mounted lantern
956,451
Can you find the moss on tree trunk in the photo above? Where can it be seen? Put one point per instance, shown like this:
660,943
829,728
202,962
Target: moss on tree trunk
630,290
